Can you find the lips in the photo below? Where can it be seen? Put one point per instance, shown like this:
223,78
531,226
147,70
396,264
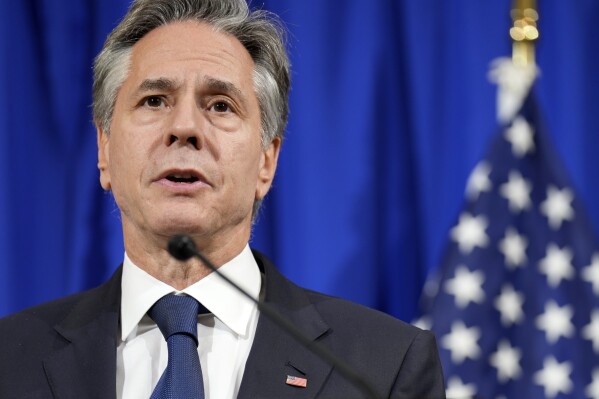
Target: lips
182,178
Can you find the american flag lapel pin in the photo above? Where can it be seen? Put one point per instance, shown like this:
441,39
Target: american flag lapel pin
296,381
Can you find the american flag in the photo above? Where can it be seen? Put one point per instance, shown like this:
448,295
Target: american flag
515,306
296,381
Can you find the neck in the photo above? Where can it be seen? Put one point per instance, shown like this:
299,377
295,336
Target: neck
150,254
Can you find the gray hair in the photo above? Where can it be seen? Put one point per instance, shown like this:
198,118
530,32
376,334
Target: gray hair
259,31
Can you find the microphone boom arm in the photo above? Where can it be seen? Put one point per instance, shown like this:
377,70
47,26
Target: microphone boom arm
182,247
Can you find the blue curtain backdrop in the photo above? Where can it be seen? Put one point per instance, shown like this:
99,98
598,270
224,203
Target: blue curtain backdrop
390,111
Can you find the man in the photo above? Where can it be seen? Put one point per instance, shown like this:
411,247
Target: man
190,104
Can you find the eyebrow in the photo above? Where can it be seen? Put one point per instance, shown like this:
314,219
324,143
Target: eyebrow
217,85
159,84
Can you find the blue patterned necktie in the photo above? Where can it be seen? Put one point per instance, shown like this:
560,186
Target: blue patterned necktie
177,319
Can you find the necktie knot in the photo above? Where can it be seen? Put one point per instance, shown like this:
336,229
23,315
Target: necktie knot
176,314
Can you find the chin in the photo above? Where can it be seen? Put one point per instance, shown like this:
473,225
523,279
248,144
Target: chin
182,227
194,223
170,224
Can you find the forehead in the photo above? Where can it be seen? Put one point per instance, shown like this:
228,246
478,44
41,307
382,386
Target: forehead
191,50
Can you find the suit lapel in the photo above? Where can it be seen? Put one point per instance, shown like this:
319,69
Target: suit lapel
86,366
275,355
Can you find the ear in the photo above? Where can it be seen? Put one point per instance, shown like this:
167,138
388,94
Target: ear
103,156
268,166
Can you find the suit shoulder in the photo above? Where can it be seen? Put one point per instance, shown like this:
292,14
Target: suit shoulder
342,315
46,315
41,316
339,313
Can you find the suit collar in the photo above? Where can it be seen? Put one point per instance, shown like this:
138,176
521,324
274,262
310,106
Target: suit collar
276,355
86,366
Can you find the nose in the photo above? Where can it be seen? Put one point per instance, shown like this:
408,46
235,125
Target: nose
184,128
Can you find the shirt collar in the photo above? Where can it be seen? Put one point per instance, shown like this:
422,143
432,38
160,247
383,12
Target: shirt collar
140,291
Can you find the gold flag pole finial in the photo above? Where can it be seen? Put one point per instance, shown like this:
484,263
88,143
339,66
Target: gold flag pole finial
524,32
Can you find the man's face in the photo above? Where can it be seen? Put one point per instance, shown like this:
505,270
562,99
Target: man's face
184,153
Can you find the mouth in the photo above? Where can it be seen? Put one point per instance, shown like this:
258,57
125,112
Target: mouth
182,178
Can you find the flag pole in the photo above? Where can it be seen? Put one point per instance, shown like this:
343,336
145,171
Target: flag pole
524,32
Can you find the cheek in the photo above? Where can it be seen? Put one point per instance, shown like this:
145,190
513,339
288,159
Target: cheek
244,163
118,160
125,163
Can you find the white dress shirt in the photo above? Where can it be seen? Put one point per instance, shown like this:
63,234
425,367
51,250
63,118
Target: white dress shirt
225,336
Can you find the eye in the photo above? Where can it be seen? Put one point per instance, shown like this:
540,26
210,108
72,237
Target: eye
153,101
220,106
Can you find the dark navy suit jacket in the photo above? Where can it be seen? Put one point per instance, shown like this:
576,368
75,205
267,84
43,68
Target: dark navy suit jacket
66,349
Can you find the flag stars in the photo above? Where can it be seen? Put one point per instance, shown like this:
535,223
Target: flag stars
521,137
556,321
507,361
462,342
513,247
557,265
479,181
592,390
456,389
554,377
470,232
558,206
509,304
466,286
591,273
517,192
591,330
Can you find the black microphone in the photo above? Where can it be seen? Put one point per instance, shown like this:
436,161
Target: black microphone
183,248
